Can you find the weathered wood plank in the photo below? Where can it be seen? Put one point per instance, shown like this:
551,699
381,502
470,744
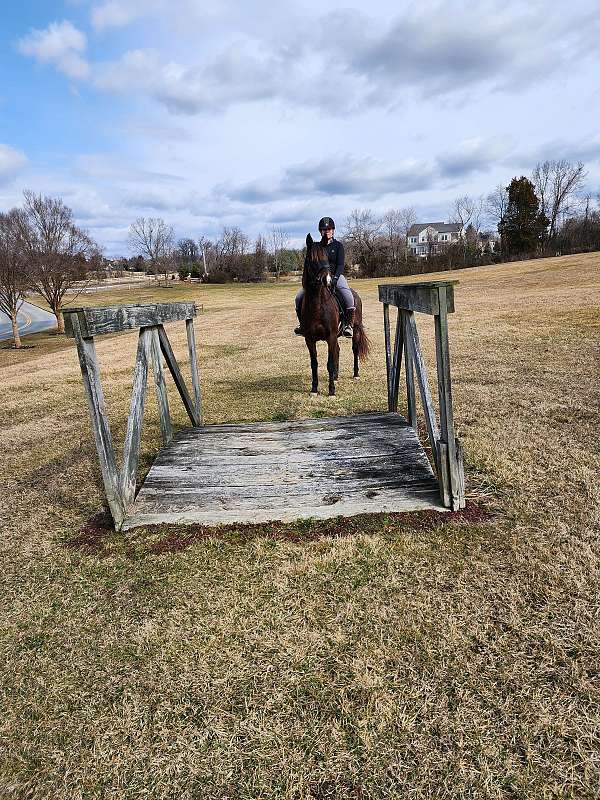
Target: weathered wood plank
397,362
389,501
131,449
442,350
90,372
173,366
443,474
411,401
191,338
416,356
388,352
111,319
306,468
161,389
421,297
461,476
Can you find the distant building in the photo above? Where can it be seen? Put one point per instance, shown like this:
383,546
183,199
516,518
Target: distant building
429,238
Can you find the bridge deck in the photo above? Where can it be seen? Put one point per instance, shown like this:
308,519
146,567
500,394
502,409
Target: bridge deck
286,471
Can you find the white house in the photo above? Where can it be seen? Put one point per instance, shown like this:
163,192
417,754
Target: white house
428,238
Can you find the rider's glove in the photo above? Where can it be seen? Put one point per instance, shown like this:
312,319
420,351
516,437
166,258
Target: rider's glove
334,281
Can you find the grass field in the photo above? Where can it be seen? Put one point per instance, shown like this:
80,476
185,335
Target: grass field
382,657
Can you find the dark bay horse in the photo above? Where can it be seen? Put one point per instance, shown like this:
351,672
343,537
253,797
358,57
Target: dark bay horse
320,316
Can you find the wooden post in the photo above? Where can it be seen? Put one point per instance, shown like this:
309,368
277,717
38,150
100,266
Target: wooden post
131,449
161,389
397,362
388,352
191,338
410,375
88,362
442,352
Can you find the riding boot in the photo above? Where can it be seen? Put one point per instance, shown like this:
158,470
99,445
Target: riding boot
299,331
348,330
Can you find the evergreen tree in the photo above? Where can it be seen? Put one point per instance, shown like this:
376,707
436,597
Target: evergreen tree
523,224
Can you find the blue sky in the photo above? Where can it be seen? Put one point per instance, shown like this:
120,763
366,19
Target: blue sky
229,113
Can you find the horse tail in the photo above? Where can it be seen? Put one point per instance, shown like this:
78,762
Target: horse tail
363,343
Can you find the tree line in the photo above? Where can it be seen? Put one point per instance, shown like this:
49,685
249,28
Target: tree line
230,257
543,214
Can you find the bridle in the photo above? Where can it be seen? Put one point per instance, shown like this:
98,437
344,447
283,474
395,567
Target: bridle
318,272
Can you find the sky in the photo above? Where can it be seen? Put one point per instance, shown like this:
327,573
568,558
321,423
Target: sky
256,114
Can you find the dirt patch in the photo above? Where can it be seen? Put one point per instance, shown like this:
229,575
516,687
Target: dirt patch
93,538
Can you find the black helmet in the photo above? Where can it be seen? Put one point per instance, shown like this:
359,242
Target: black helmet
326,222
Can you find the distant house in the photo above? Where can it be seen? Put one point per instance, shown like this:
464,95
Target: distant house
428,238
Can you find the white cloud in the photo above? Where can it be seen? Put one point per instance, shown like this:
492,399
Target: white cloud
118,13
60,44
11,162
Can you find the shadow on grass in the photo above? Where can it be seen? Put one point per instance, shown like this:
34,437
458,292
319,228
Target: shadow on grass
97,536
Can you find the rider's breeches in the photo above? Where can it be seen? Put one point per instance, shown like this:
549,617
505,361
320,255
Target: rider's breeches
342,290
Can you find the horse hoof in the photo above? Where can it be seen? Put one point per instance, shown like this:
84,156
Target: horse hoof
331,394
314,391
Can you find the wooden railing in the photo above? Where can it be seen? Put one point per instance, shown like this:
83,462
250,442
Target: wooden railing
435,298
83,324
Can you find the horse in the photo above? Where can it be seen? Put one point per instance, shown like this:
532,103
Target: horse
320,317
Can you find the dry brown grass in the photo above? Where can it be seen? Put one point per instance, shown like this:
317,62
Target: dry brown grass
454,659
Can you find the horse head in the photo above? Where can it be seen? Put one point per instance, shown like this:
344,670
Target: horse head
316,265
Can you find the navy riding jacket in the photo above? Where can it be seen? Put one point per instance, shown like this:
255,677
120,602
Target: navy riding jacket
335,254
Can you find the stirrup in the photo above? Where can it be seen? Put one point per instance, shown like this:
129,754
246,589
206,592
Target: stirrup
298,331
348,331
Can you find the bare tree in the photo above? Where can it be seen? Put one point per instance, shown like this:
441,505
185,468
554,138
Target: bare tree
392,225
407,218
361,231
187,251
152,238
56,249
463,209
278,241
14,277
495,207
556,185
206,248
468,210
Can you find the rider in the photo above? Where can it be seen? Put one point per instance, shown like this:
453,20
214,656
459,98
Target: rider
339,284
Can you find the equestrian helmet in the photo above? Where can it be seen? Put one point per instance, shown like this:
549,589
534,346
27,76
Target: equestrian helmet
326,222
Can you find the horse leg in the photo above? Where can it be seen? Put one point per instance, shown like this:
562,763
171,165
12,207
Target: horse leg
331,363
314,365
336,355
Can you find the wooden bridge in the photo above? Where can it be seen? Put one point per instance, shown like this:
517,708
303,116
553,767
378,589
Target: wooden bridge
312,468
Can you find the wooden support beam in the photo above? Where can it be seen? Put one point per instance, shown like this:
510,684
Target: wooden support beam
191,338
397,362
161,389
173,366
410,375
90,372
131,449
416,357
111,319
442,351
388,352
423,297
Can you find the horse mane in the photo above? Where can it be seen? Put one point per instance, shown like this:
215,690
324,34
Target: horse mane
315,253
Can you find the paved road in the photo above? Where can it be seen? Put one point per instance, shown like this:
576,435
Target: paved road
31,320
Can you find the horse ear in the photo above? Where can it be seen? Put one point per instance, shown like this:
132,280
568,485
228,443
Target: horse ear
309,241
